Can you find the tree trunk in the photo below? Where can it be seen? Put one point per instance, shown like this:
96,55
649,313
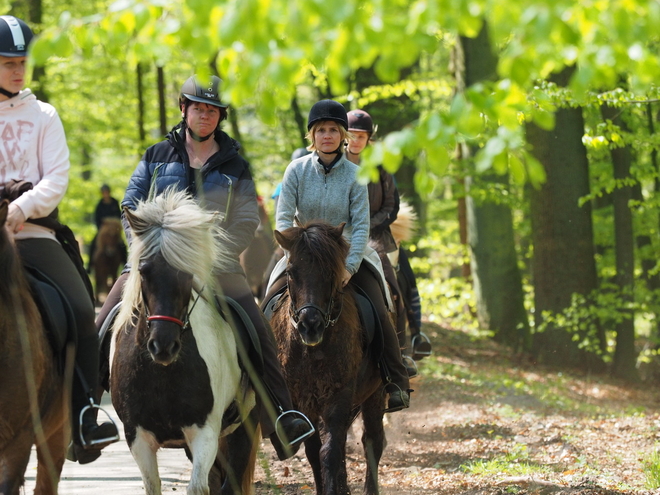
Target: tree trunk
562,233
142,135
162,110
494,261
625,355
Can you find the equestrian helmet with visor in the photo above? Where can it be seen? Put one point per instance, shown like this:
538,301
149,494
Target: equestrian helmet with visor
327,110
359,120
15,36
208,93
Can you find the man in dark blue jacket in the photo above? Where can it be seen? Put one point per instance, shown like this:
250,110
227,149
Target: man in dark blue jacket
198,157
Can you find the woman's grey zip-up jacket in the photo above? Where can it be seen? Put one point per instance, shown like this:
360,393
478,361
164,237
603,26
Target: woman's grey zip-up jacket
226,186
309,193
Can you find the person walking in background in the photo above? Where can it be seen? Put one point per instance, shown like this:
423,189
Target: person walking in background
323,186
35,177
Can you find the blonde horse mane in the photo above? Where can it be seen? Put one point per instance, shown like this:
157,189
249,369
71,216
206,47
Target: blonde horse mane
187,236
405,225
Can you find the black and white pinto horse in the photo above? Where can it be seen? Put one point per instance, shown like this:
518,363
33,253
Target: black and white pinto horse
174,364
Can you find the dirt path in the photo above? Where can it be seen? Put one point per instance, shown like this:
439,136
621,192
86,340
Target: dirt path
482,423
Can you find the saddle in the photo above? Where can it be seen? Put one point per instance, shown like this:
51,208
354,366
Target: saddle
56,313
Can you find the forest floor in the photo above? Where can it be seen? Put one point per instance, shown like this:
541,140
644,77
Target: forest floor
486,421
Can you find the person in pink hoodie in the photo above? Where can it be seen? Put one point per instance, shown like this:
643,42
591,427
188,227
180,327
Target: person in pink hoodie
34,175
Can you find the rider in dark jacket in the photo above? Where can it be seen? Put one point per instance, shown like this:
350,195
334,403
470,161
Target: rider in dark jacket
198,157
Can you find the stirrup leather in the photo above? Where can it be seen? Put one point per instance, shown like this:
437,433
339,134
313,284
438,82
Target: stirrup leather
99,441
285,441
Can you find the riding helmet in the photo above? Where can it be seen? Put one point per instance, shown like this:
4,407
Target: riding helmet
208,93
359,120
327,110
15,36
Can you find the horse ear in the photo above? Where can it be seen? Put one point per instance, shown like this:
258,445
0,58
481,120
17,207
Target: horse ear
4,208
339,229
282,239
138,225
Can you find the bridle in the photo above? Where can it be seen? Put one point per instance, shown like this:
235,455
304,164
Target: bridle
184,322
328,321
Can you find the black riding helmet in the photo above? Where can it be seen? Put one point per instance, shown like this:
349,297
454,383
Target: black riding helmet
15,36
359,120
327,110
193,90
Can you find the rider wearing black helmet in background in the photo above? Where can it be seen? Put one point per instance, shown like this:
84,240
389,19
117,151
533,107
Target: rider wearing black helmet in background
200,158
34,175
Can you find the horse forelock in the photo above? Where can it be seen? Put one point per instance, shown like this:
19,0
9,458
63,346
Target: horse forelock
187,236
327,252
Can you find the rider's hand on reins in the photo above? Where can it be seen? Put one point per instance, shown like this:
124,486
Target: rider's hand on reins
345,278
15,219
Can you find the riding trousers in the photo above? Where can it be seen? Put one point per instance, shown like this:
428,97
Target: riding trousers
235,286
48,256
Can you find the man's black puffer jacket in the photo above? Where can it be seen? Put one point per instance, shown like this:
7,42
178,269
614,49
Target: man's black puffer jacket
226,185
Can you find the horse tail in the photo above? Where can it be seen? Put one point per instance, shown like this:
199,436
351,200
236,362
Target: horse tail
404,226
247,483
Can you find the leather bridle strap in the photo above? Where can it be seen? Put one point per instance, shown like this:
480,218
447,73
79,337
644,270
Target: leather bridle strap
171,319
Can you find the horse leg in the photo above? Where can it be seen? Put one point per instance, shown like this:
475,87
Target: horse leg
313,452
236,459
144,449
14,459
373,439
333,453
203,444
50,459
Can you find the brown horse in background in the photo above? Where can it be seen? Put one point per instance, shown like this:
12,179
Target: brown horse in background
330,368
108,256
256,258
32,400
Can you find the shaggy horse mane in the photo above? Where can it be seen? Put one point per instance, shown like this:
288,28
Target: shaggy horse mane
317,240
187,236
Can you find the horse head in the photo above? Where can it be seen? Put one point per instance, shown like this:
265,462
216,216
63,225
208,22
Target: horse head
317,256
109,236
175,243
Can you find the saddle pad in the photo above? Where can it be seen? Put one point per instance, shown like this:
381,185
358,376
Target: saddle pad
247,339
55,311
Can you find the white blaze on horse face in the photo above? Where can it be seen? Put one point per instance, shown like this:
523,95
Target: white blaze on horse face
144,450
217,347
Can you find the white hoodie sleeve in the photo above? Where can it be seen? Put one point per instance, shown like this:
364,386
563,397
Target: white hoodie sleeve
49,172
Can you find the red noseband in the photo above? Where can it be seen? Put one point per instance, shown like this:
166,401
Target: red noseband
171,319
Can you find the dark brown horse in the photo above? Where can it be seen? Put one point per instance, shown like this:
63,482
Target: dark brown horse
33,407
108,256
330,368
174,368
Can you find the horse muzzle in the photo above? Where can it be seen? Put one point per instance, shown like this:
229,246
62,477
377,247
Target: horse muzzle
164,346
310,327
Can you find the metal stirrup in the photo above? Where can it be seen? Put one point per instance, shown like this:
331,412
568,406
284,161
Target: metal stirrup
304,436
420,338
99,441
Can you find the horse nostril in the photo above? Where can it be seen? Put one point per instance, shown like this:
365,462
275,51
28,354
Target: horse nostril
153,347
175,347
